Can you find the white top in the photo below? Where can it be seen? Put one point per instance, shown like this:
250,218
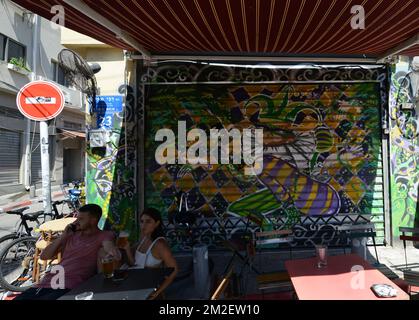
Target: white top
146,260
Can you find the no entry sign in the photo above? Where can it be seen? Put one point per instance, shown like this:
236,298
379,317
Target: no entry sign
40,100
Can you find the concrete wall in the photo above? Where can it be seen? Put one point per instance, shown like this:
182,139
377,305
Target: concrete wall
17,25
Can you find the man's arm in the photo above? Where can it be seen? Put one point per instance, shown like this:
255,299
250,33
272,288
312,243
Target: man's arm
52,250
57,245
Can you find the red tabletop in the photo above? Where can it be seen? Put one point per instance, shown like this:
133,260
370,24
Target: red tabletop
339,280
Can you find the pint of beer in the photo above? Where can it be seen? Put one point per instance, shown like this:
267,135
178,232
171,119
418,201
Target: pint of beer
107,267
122,239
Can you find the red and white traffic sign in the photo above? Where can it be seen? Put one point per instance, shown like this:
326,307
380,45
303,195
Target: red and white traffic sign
40,100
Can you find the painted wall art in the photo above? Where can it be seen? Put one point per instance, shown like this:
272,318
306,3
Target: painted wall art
321,150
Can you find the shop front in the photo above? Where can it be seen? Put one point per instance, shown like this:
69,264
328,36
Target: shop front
319,93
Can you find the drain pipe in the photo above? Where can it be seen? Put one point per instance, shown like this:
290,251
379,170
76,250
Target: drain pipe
120,34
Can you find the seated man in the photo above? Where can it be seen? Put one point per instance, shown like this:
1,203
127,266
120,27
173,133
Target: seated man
80,244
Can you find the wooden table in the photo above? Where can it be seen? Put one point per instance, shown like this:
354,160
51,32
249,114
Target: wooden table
57,225
138,285
339,280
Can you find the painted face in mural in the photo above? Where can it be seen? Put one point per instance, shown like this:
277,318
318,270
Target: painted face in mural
148,225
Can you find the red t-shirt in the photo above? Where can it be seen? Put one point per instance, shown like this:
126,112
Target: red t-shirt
79,259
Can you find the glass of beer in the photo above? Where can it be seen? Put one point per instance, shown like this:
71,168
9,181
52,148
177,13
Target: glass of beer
122,239
107,267
321,253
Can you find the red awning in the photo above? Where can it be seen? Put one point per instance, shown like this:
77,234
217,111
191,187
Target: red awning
291,27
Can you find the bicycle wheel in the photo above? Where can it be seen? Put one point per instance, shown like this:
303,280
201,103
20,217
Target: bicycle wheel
7,239
16,264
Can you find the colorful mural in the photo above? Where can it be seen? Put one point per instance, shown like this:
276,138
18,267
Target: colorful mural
404,152
322,150
111,170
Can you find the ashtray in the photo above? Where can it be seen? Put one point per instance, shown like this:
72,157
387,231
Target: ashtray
384,290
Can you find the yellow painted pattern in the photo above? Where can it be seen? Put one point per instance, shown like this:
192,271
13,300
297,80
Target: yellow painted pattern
328,202
312,197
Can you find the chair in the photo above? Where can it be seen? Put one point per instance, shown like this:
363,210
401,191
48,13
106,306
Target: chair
357,231
221,288
242,243
404,238
273,280
49,231
412,280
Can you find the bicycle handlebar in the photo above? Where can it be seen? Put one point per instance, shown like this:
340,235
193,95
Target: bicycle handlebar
17,211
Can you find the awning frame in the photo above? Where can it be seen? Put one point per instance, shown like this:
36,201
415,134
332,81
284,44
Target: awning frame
120,34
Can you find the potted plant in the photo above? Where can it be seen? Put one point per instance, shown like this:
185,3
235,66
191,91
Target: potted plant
18,65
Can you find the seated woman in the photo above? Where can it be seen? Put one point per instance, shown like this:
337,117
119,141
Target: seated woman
152,250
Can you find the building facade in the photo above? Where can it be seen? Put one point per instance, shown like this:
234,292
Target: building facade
29,47
102,166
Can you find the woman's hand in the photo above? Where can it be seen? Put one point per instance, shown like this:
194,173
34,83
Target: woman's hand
153,295
126,246
111,249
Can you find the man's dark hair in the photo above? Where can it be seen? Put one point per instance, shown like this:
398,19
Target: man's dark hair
93,210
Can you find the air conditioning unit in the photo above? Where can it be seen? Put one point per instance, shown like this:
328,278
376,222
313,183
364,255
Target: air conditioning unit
98,138
67,97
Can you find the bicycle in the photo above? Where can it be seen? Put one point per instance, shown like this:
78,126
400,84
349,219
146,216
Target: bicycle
16,257
73,193
22,228
16,264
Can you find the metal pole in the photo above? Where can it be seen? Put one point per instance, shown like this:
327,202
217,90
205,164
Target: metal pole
201,270
27,156
27,140
46,182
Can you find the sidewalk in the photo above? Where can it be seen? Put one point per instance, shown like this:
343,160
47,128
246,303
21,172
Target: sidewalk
22,199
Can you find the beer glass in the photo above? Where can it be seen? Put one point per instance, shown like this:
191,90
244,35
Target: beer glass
107,267
122,239
321,254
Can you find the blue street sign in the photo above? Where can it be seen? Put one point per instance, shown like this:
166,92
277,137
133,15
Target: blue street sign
106,107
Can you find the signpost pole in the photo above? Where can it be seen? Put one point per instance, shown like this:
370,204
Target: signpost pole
46,181
42,101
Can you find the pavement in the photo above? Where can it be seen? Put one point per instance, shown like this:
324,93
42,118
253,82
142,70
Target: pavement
18,200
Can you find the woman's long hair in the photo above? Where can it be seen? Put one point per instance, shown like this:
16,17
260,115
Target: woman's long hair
156,216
